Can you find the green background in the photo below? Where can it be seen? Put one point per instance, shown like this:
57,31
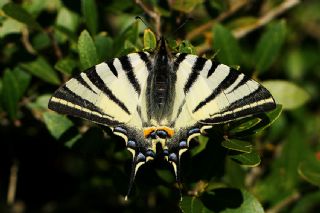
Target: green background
53,163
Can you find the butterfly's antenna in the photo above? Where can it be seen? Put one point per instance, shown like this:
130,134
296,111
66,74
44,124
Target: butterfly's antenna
145,23
182,24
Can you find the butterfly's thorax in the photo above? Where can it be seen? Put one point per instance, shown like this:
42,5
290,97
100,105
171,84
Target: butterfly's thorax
160,86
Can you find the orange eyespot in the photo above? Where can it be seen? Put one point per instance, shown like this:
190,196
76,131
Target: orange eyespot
149,130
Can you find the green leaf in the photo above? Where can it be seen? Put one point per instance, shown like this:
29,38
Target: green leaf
56,124
67,19
240,126
231,200
149,40
202,145
42,69
10,26
40,104
185,6
41,41
310,171
237,145
226,45
90,13
66,65
130,35
192,205
10,94
104,45
17,12
307,203
251,159
87,50
269,46
286,93
187,47
23,78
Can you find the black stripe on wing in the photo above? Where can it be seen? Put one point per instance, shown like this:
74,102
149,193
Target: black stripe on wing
227,82
98,82
83,83
213,67
197,67
144,57
126,65
228,114
112,68
178,61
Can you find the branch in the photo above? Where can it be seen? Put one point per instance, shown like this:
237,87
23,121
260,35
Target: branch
284,203
263,20
155,16
199,30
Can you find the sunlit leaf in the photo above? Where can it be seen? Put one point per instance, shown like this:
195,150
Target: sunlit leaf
286,93
187,47
17,12
10,26
87,50
56,124
192,205
67,19
42,69
149,40
269,45
227,47
90,13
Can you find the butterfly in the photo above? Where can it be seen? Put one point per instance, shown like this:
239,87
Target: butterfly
160,97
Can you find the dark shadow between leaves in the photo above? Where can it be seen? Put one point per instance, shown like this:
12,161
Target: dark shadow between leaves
221,199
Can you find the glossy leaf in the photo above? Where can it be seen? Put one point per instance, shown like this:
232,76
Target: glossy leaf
269,46
286,93
240,126
56,124
42,69
87,50
237,145
310,171
10,94
251,159
90,13
226,46
20,14
149,40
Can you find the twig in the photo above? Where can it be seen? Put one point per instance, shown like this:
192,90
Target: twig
12,183
263,20
25,41
155,16
284,203
199,30
56,48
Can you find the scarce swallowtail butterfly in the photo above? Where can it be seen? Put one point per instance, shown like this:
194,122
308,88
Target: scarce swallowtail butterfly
160,97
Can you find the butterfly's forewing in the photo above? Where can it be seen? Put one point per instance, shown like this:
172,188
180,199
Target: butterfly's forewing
107,93
216,93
